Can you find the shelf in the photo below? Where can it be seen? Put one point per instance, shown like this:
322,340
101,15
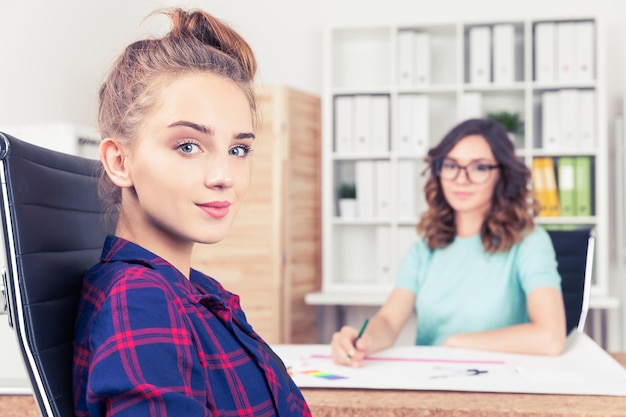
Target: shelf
362,62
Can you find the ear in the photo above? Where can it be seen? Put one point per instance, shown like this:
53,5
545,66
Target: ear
113,157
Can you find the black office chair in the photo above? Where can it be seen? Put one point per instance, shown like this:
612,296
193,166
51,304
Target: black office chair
574,254
53,231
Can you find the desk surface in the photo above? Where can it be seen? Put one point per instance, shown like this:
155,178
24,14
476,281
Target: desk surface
365,403
382,403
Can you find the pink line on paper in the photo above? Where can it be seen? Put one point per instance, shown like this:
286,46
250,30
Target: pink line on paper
429,360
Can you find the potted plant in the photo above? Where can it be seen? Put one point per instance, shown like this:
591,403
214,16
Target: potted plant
512,122
347,200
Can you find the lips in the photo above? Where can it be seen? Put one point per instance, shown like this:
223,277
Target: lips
462,195
216,209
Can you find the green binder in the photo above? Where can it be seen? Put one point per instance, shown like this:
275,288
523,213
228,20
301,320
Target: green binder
566,185
583,186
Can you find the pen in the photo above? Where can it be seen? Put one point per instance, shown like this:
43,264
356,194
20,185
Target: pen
348,357
361,331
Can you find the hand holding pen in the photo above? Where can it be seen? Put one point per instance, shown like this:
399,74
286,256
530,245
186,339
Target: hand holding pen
349,347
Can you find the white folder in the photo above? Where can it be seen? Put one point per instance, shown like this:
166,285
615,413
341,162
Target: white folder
421,124
550,120
503,53
586,119
421,58
566,49
364,179
404,139
585,51
380,123
413,124
344,124
569,117
480,55
406,48
383,255
406,189
382,192
362,123
545,52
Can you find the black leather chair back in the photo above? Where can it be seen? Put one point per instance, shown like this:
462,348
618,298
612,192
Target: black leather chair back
53,231
574,254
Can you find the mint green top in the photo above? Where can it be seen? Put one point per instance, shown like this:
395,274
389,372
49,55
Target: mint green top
462,288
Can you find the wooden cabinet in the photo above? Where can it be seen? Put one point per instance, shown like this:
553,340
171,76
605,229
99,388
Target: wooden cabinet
272,256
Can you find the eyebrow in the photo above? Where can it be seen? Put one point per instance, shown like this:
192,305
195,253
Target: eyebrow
207,130
473,161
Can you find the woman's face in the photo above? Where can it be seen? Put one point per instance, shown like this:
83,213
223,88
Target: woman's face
463,195
190,164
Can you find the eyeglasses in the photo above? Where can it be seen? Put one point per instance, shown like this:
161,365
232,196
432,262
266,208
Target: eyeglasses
476,172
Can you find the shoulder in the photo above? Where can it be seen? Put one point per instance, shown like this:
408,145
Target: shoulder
420,247
120,272
115,278
536,244
537,236
117,294
417,251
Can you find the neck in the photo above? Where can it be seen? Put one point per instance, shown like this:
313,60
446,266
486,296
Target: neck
177,253
468,224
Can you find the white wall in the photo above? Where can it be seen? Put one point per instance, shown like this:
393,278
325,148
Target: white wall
53,54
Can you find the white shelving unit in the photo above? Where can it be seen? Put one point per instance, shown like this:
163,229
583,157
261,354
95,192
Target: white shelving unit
362,62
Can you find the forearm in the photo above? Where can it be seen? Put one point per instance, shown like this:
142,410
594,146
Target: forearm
527,338
380,333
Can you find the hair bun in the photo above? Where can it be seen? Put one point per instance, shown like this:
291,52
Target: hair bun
204,27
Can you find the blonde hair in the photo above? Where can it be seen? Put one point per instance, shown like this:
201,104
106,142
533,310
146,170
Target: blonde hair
196,42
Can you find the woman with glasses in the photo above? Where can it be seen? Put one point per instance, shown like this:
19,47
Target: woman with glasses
483,275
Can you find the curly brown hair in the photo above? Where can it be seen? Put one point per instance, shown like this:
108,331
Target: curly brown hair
513,204
197,42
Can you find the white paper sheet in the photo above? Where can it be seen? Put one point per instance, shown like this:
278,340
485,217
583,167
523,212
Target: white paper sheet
583,369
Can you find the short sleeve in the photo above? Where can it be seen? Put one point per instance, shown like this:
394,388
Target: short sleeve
536,262
409,272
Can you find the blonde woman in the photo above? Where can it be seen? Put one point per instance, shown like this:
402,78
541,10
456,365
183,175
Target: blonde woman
155,337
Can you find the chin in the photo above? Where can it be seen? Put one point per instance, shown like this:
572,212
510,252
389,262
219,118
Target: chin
209,240
462,206
213,236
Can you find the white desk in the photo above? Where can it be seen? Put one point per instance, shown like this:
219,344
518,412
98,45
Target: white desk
602,324
584,368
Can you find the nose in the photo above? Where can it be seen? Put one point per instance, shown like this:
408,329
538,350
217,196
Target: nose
463,176
219,173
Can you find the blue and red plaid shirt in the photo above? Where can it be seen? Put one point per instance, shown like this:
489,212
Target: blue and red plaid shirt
150,342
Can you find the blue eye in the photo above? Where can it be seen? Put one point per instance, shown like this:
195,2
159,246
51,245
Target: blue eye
240,150
188,148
